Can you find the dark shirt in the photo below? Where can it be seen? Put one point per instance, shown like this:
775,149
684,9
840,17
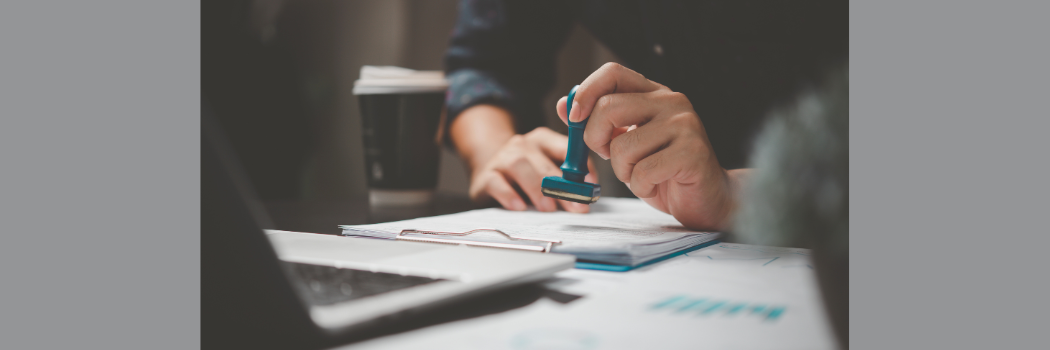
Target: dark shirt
733,59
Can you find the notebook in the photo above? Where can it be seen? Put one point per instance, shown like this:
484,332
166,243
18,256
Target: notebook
617,235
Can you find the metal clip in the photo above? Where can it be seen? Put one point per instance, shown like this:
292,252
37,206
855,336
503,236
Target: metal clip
546,248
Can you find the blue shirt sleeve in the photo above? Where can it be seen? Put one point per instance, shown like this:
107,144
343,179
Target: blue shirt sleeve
503,53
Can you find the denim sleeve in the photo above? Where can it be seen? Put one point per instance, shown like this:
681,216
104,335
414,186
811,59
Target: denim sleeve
503,53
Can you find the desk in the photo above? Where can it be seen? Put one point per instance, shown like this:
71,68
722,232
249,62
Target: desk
325,216
719,289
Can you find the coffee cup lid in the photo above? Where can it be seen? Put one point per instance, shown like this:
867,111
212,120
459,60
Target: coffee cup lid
394,80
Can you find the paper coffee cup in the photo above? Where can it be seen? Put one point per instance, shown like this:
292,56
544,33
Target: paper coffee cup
401,116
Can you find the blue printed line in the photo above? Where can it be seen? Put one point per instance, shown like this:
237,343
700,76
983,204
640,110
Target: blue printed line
667,302
712,308
762,250
775,313
691,305
757,308
736,308
767,263
739,259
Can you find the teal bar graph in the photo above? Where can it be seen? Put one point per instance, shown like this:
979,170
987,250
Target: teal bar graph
735,308
775,313
692,305
669,301
702,306
713,308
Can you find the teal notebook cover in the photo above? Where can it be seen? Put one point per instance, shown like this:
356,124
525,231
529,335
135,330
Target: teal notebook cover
624,268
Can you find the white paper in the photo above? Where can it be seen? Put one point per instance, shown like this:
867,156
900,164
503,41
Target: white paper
622,226
717,288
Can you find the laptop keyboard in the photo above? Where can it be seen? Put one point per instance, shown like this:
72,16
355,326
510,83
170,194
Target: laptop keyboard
327,285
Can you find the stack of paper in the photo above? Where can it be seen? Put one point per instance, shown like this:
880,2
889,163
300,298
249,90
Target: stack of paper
617,231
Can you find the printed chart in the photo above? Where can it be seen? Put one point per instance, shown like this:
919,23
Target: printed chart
701,307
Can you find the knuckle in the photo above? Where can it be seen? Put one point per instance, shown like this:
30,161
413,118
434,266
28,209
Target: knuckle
622,171
537,132
648,165
531,136
684,120
519,160
516,141
592,139
678,99
604,103
621,144
612,66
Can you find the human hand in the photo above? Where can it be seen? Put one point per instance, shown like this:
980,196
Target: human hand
657,144
522,162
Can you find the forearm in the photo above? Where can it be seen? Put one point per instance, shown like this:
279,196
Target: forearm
479,131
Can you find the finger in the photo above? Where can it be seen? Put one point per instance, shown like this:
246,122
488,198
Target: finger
611,78
525,174
619,131
659,168
630,148
574,207
504,193
553,145
560,107
619,111
544,166
592,175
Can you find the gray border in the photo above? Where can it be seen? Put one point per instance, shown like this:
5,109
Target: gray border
99,146
99,141
949,170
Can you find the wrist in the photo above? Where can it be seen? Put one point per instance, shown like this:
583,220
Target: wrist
479,132
735,181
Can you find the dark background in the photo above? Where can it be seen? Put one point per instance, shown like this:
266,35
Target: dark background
280,73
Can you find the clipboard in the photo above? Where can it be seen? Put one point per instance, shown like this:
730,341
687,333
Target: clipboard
533,244
545,244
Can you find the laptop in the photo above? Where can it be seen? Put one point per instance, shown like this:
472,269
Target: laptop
279,289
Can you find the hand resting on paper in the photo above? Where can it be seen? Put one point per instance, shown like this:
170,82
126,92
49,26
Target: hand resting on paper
503,163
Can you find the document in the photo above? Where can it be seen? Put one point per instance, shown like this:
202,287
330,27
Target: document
619,231
724,296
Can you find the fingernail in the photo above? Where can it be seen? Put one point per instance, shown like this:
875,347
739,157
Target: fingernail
549,204
574,113
603,156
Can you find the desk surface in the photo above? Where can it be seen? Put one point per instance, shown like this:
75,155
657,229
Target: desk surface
614,311
325,216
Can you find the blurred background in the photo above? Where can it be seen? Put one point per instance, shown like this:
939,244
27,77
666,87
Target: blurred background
279,75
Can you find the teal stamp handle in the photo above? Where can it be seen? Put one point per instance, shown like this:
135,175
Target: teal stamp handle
575,166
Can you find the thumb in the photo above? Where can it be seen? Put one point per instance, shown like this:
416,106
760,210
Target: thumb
560,106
